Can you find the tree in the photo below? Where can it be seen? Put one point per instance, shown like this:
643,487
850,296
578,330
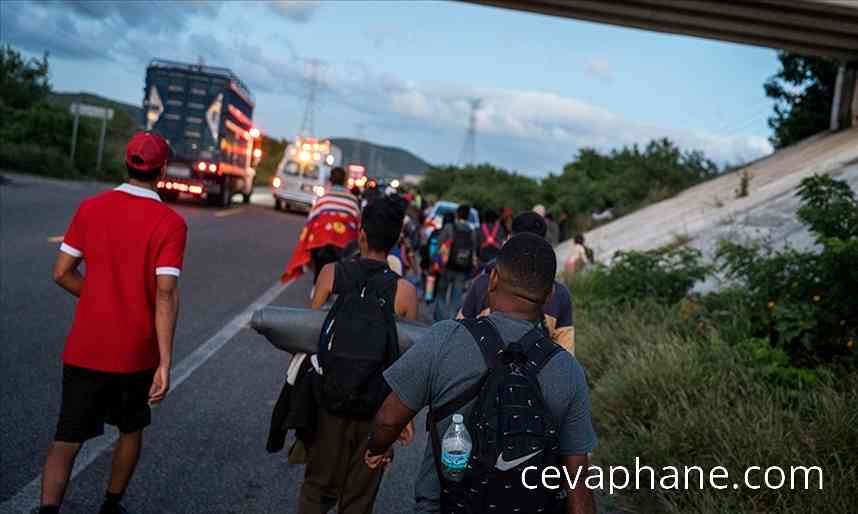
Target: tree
23,83
482,186
803,91
624,180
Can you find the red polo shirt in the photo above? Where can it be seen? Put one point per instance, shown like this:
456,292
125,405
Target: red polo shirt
125,237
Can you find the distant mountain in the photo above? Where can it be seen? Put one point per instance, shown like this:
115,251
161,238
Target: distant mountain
135,112
380,161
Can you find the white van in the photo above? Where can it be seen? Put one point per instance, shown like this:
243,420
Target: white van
302,174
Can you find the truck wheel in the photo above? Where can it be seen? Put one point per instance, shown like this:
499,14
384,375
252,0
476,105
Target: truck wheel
246,196
278,204
226,193
224,198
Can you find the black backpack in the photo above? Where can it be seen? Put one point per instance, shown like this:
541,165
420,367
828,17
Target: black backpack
462,249
510,426
358,340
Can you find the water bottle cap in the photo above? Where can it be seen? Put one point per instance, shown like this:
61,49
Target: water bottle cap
457,418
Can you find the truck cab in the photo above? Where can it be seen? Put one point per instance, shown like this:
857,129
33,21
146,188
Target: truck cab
302,174
206,113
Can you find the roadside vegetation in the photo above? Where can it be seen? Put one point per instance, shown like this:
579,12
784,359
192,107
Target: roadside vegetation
36,127
763,372
621,181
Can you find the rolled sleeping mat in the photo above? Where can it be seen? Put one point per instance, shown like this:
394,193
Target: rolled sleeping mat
297,330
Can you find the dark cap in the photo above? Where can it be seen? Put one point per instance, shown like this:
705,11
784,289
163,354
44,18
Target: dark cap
147,151
529,222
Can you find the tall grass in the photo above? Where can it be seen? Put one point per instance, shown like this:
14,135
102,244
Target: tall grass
673,391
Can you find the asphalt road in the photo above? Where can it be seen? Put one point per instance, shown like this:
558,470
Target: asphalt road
205,452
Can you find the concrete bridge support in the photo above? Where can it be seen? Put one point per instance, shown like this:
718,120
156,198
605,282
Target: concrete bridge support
844,108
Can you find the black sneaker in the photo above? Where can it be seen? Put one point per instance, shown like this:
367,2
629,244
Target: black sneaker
115,509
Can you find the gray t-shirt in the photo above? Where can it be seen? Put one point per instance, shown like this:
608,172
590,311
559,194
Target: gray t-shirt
447,361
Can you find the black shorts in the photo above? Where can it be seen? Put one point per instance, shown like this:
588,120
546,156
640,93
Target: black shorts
92,398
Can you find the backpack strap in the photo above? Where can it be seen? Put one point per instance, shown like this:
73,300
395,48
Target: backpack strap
539,348
486,236
494,235
488,340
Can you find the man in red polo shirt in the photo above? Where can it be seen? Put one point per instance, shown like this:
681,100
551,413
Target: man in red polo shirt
117,356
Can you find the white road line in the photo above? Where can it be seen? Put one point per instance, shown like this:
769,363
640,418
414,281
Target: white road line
28,497
230,212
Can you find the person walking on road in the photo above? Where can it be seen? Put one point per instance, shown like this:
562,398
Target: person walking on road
331,225
454,372
491,237
552,230
350,387
558,311
581,256
118,353
458,243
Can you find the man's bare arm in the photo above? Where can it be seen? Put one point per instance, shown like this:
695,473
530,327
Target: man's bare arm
324,286
388,424
580,499
166,313
406,300
66,274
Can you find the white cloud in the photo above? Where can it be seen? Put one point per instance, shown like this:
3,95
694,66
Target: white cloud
599,69
533,131
300,11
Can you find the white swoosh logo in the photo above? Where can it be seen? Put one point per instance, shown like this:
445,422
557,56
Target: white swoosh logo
506,465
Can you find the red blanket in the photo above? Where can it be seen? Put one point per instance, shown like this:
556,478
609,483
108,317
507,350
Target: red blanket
325,228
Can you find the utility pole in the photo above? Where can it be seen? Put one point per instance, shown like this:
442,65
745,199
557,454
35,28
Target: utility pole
312,76
468,155
359,127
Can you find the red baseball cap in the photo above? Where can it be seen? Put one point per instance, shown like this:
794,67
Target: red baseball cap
147,151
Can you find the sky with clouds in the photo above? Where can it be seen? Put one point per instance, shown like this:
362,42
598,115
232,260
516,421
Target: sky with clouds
402,73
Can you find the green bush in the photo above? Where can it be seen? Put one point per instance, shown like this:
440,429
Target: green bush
664,275
43,124
32,158
673,393
804,302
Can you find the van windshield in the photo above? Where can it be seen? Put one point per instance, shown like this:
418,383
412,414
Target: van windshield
297,169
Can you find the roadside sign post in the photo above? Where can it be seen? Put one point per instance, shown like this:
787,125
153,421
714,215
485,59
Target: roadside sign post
91,111
76,112
101,144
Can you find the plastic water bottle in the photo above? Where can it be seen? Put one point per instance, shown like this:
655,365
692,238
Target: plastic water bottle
430,288
455,449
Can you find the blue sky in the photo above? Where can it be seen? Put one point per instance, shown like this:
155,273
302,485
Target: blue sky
401,73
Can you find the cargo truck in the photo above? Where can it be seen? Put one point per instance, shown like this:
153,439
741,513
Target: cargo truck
206,113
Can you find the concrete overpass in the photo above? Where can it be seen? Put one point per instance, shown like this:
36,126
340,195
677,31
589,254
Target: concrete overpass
824,28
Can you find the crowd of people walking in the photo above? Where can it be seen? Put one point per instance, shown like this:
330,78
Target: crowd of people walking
496,372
